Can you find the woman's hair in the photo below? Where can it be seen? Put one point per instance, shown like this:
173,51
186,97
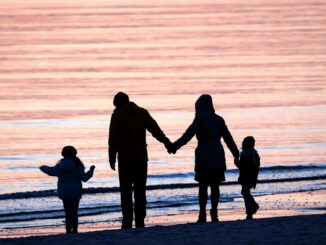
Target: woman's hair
71,152
248,142
204,104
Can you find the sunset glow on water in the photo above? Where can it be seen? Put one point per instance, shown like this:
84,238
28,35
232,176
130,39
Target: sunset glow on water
264,63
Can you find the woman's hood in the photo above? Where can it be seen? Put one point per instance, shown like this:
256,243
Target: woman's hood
204,104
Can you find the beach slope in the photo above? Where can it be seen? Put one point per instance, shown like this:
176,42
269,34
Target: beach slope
307,229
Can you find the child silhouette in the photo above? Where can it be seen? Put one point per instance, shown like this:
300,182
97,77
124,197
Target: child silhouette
249,168
70,172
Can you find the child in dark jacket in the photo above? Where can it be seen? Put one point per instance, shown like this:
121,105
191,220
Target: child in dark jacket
249,167
70,172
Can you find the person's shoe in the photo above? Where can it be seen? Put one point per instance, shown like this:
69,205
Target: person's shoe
140,223
126,224
214,216
201,217
255,208
126,227
249,217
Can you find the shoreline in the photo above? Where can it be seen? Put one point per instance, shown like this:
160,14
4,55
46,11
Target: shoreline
272,206
304,229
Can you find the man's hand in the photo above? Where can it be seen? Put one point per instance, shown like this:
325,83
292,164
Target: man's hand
92,167
112,158
112,165
236,162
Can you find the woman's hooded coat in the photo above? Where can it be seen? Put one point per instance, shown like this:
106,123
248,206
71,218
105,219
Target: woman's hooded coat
209,128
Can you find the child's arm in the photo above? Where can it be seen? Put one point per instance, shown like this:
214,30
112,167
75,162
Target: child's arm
52,171
86,176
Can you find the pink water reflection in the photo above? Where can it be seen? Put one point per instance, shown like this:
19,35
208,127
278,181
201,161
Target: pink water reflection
61,64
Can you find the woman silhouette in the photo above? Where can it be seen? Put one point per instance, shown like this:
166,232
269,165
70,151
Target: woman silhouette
210,165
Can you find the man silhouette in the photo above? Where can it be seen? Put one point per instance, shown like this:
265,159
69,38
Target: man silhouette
127,138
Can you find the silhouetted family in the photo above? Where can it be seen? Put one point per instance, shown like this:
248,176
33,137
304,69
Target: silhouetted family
127,142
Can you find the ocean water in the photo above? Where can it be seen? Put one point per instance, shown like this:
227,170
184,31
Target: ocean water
264,63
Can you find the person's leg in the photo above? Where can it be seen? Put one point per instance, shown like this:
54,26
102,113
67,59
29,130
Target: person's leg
75,205
126,197
202,195
248,200
253,205
215,197
68,219
140,195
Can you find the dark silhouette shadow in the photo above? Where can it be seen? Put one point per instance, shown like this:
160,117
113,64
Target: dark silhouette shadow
70,172
127,139
210,164
249,168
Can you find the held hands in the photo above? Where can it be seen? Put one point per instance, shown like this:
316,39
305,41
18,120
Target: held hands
170,148
237,162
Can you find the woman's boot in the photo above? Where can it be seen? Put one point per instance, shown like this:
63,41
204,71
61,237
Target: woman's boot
214,215
202,217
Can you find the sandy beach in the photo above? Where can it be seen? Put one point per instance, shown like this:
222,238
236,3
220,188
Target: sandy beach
306,229
296,218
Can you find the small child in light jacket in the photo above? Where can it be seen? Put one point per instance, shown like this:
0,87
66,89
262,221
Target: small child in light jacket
70,172
249,168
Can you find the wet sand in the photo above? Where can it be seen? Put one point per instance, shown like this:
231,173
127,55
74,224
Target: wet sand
306,229
304,210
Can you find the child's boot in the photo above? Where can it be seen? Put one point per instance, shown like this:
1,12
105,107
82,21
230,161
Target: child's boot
255,207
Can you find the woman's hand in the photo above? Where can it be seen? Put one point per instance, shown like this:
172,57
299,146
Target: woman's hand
170,148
